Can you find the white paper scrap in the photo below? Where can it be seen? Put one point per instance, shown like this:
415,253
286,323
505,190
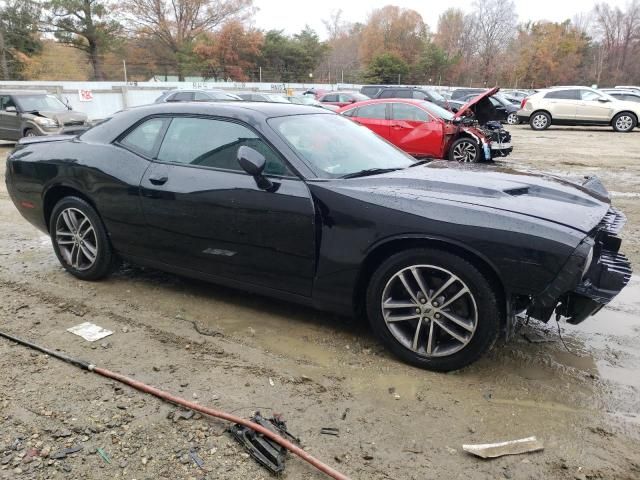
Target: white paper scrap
89,331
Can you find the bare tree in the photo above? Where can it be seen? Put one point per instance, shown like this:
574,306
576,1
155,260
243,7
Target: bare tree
175,24
496,22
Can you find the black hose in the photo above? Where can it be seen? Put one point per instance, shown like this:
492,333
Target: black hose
60,356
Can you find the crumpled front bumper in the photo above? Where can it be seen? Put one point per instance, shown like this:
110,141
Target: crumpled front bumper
608,274
594,274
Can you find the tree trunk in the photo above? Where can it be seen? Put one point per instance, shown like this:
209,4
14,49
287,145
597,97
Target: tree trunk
96,63
4,68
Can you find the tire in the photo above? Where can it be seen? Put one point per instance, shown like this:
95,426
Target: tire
80,239
540,121
30,132
624,122
465,150
477,309
512,119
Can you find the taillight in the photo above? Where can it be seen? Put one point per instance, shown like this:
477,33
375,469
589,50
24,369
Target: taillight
524,102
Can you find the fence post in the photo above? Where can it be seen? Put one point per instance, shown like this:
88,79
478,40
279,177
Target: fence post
124,90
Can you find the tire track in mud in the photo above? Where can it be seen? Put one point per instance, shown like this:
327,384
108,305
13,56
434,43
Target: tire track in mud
223,359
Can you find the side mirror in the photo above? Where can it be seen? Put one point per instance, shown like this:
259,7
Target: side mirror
253,162
603,100
353,100
11,110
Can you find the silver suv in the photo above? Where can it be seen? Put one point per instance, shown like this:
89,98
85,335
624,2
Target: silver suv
578,106
31,113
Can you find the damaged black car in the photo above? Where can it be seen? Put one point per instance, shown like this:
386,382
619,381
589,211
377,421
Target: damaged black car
307,206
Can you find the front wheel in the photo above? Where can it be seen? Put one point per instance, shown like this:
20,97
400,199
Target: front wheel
80,239
30,132
433,309
465,150
624,122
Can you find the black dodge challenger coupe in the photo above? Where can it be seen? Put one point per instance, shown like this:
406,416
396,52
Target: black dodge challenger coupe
304,205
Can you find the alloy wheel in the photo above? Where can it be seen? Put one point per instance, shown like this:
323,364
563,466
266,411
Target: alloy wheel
465,152
624,123
31,133
76,239
540,121
429,310
512,119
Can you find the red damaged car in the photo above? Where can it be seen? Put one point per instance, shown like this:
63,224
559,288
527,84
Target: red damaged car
426,130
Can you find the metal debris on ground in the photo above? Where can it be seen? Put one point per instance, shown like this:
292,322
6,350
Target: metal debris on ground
104,455
264,450
330,431
197,460
90,332
512,447
59,455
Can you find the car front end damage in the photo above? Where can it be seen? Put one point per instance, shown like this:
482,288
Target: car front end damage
595,273
494,142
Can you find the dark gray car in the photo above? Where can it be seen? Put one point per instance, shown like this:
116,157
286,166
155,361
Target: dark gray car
211,95
29,113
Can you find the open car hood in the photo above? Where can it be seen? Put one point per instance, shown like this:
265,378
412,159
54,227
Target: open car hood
465,108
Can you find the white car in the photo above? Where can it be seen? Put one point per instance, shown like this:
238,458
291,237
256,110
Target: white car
578,106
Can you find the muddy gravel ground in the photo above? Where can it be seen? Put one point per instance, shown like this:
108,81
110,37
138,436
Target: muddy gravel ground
241,353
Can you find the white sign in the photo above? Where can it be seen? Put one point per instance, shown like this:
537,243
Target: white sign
85,95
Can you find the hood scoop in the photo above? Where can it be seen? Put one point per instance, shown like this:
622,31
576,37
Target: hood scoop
516,192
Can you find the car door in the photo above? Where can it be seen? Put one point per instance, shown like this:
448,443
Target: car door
593,108
415,131
501,110
207,215
374,117
562,104
9,121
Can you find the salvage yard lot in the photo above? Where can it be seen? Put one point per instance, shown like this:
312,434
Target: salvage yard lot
241,352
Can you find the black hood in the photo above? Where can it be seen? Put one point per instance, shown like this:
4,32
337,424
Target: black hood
576,204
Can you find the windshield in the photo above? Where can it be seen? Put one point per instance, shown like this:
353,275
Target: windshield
44,103
437,111
437,95
337,146
359,97
274,97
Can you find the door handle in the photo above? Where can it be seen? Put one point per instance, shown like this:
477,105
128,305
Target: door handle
159,180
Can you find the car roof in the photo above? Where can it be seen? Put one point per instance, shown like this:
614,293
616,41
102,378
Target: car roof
250,112
373,101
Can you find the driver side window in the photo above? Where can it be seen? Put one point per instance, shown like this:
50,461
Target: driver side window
5,101
214,143
403,111
588,95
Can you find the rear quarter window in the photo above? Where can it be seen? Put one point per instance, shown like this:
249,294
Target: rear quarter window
145,138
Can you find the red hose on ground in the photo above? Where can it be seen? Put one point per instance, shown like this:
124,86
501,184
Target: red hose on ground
224,416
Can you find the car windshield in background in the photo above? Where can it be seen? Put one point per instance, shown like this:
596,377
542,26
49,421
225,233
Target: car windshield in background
437,111
40,103
359,97
277,98
337,146
437,96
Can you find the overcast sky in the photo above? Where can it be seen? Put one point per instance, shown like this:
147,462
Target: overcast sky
292,15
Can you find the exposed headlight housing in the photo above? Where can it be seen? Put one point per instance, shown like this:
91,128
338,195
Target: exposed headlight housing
587,263
45,122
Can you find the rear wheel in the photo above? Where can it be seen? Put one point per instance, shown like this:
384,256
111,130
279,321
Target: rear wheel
80,239
465,150
433,309
624,122
540,121
512,119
